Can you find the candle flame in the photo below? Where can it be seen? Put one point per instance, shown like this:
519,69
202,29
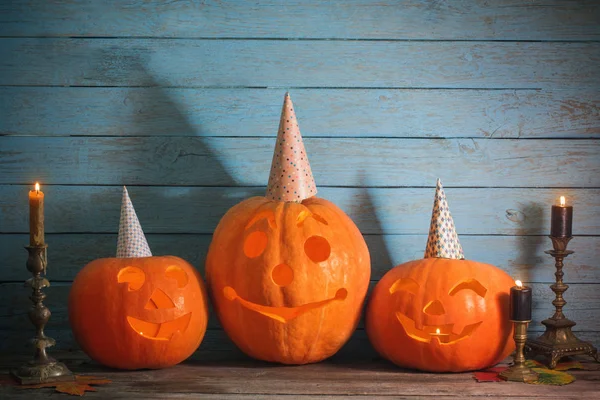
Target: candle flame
437,331
519,283
562,201
37,187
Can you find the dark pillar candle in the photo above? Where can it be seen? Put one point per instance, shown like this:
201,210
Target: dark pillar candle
520,303
562,221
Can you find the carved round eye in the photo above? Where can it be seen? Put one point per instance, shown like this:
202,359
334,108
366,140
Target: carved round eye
255,244
133,276
317,248
177,273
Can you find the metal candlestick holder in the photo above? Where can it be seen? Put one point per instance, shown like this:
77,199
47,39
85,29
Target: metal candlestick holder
42,368
518,371
559,341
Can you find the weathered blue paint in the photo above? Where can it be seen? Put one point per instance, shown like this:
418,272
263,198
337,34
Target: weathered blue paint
298,63
83,111
335,162
348,19
478,211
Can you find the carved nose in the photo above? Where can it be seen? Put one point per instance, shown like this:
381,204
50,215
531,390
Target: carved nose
159,300
434,308
282,275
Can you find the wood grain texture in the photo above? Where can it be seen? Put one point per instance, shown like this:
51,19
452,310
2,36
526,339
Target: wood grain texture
335,162
81,209
583,304
298,63
123,393
464,20
158,111
246,379
520,256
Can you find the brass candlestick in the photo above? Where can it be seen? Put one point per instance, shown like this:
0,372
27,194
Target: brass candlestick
42,368
559,341
518,371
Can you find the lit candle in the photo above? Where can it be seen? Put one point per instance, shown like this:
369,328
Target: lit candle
520,302
442,337
562,219
36,216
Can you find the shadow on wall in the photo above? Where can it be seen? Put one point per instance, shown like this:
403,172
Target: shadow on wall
528,250
168,127
381,259
381,256
359,347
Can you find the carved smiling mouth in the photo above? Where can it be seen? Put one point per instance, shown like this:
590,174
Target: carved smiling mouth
282,314
162,331
444,336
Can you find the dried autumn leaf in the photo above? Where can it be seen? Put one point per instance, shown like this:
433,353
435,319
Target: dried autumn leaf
489,375
78,387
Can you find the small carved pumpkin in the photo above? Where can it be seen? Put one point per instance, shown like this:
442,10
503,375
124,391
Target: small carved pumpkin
132,313
288,279
442,315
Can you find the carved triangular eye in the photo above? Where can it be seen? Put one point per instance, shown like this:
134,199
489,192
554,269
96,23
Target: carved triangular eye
177,273
133,276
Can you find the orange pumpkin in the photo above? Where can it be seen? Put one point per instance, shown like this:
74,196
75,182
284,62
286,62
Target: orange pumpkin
287,279
134,313
442,315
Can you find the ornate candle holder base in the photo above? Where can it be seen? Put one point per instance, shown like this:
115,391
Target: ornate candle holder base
559,341
32,373
42,368
518,371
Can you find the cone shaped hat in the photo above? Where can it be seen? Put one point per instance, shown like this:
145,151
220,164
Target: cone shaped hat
132,241
443,239
291,178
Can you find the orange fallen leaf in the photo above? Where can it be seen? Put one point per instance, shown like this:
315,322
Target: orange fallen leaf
78,387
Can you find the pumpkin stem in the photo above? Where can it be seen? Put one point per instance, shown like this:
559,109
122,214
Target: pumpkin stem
443,240
291,178
131,241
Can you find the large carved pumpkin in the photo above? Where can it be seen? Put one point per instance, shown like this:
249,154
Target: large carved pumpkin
442,315
288,279
132,313
288,272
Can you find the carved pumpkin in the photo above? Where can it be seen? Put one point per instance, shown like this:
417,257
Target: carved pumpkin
442,315
288,279
288,272
132,313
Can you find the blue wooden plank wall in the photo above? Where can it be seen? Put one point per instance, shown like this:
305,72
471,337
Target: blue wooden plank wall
180,101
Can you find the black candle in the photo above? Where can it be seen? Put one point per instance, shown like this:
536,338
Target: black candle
520,302
562,220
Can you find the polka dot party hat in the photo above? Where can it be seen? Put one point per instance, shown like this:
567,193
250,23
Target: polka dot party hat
131,241
291,178
443,239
